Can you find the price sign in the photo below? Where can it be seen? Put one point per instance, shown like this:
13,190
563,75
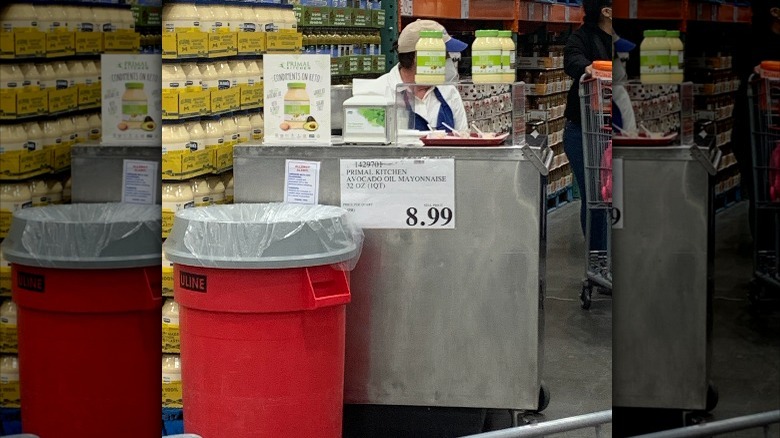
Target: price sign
400,193
617,193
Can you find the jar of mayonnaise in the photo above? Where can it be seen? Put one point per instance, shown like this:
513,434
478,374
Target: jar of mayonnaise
55,192
14,138
175,139
654,58
8,341
243,127
254,73
256,120
229,192
66,191
277,19
202,192
197,135
91,72
72,15
235,20
50,18
175,197
431,58
34,136
248,22
508,56
676,57
225,75
40,193
9,382
170,326
5,271
217,190
230,130
104,19
68,131
173,83
297,104
127,20
167,276
239,73
62,76
215,133
263,19
208,21
486,58
209,76
52,133
48,78
221,18
171,381
95,127
82,128
77,72
13,197
32,77
182,17
11,83
18,17
192,75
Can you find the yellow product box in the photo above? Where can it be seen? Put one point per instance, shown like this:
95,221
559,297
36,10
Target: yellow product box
285,40
222,157
185,45
22,44
223,44
89,96
25,163
186,163
60,43
167,273
171,391
89,43
185,103
59,156
252,96
5,274
251,43
170,336
64,99
23,102
121,41
228,99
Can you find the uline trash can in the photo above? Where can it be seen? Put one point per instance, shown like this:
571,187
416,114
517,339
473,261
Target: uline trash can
86,280
262,290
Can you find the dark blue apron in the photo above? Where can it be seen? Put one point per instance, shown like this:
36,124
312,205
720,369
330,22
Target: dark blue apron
445,115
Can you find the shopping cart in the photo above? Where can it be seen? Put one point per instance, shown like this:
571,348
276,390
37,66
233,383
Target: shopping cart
595,106
764,99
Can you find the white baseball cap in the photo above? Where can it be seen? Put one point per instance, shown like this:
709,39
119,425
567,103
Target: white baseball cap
410,34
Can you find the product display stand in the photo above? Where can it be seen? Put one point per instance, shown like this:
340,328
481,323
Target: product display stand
409,284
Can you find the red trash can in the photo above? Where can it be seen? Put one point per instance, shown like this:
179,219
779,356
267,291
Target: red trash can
87,283
262,290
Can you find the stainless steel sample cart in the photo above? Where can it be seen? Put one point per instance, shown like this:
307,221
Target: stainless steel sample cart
449,318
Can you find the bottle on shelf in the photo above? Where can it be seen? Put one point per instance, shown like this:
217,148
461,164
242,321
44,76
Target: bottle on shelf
676,57
215,133
170,326
654,54
9,382
39,193
201,193
54,192
230,129
175,197
217,190
34,136
8,340
171,381
243,127
16,17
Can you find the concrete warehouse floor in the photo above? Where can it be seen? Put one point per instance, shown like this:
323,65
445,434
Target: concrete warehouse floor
578,345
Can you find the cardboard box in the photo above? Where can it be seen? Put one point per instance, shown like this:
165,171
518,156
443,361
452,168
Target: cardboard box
25,44
228,99
185,164
66,99
222,157
25,163
121,41
24,102
285,40
251,43
59,156
60,43
185,45
89,43
223,44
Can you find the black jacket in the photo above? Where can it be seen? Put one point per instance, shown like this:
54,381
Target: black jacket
582,48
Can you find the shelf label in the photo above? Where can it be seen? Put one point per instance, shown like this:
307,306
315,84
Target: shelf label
415,193
139,182
301,182
617,194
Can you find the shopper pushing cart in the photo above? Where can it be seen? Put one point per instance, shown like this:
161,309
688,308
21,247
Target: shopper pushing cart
764,101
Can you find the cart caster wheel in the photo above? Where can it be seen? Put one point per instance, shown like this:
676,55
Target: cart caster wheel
712,397
585,296
544,397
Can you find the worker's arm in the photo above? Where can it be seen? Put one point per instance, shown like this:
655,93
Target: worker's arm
575,59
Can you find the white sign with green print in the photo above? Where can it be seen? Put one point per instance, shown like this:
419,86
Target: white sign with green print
297,99
131,100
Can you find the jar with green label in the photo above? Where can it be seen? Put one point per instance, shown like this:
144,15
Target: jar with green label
654,57
297,106
135,104
486,58
508,56
431,58
676,57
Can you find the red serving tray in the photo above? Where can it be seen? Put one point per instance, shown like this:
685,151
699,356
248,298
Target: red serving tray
455,141
619,140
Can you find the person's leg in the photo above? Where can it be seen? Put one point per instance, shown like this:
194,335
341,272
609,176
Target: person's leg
572,145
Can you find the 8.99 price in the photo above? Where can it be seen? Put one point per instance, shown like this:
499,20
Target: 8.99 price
435,216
